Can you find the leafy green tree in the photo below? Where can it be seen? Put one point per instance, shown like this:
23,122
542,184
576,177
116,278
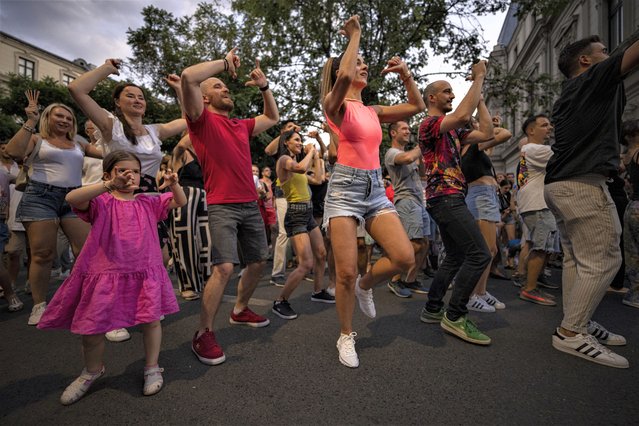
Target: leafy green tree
294,38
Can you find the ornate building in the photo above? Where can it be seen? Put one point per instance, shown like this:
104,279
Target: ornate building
530,47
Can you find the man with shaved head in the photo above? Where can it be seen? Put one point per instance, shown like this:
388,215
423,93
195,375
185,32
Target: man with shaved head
467,256
222,148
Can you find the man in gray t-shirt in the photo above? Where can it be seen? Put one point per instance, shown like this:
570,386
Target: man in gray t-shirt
405,168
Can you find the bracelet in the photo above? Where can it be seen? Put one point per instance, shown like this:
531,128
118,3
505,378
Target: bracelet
265,88
226,64
407,77
29,128
109,190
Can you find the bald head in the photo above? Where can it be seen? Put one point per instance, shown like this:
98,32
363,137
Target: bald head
216,95
208,84
439,95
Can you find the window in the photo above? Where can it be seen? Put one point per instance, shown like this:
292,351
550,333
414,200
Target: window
615,23
66,79
26,68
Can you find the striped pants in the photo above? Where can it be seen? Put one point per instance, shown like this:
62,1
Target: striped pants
590,230
191,241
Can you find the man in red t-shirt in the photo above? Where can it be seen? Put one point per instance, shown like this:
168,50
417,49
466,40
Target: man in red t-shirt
222,147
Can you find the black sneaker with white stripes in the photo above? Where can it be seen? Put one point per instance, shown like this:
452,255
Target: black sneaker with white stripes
283,310
587,347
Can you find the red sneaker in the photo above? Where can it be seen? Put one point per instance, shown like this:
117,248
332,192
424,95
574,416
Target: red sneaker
250,318
206,348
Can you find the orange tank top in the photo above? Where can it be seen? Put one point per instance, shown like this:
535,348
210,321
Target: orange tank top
359,136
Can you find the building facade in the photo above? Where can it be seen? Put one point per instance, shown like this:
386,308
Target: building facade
530,47
22,58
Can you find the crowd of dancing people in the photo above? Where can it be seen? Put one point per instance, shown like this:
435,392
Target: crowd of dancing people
432,207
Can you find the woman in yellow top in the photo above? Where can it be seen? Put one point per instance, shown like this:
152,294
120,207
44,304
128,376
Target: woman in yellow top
300,225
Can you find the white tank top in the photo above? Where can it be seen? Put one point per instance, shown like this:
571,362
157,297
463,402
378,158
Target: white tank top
148,148
58,167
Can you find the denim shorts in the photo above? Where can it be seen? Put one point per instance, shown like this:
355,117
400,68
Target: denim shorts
411,215
299,219
355,193
42,201
4,236
429,225
237,226
483,203
542,230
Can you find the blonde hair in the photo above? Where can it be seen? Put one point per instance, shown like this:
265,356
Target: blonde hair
46,115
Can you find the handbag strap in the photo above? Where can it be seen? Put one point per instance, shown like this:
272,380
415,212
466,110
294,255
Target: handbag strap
33,153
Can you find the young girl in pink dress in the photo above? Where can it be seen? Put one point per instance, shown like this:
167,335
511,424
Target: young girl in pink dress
118,279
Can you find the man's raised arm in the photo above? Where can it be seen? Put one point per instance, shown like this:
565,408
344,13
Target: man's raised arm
271,115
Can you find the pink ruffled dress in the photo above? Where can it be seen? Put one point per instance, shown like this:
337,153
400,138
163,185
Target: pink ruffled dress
118,279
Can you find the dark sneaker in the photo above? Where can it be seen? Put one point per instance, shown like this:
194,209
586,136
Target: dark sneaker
206,348
631,299
587,347
250,318
518,280
431,317
278,281
465,329
429,272
542,281
397,287
415,287
283,310
536,296
322,296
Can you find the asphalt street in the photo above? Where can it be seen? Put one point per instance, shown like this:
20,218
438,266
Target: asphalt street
289,373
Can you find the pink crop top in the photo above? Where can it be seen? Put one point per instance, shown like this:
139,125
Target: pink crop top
359,136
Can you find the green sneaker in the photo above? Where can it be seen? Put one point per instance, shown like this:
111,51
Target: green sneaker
431,317
465,329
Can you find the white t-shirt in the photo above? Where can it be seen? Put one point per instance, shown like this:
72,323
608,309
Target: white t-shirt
148,148
530,197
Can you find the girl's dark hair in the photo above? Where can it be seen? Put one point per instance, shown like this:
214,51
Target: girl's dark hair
115,157
128,131
282,149
504,182
629,129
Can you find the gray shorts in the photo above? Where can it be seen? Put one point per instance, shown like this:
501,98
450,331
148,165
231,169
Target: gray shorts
542,230
411,215
237,227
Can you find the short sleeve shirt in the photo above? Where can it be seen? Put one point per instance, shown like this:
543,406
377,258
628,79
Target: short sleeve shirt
587,120
441,158
222,148
405,178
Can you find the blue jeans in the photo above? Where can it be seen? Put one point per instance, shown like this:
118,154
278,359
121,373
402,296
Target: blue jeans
467,254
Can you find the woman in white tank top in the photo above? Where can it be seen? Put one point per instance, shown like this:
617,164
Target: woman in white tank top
56,169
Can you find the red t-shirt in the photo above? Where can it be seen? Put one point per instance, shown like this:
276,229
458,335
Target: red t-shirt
222,148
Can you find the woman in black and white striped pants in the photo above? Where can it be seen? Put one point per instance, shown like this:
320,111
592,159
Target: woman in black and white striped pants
189,225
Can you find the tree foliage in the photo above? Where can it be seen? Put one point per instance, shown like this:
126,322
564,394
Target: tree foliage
13,102
293,38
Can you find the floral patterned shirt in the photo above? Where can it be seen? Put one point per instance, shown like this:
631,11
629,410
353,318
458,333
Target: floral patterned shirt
441,158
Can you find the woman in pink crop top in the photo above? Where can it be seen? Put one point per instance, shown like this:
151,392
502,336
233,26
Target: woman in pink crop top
356,191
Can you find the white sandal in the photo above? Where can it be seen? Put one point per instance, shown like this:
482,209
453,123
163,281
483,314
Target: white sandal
153,380
79,387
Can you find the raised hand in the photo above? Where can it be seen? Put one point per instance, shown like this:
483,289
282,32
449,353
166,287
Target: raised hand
313,134
173,80
170,178
351,26
124,180
496,120
257,77
478,70
32,109
395,64
234,62
114,65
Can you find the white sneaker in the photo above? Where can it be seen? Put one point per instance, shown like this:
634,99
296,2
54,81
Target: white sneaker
346,348
36,313
475,303
80,386
587,347
365,299
604,336
331,291
118,335
492,301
